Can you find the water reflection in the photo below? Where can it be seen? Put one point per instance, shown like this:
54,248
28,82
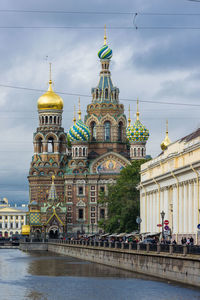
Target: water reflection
46,276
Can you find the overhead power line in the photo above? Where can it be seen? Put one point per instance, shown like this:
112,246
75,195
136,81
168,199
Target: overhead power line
108,27
89,96
37,11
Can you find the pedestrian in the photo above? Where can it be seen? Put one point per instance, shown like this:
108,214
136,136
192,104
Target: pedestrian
174,242
188,241
182,241
191,241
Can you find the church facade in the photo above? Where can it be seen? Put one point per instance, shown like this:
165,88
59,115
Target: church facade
70,169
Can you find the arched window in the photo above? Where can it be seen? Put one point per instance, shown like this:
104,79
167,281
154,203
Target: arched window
120,131
135,152
106,93
39,145
97,94
50,120
76,151
46,120
107,130
80,152
54,119
50,145
42,120
93,131
138,151
62,145
142,152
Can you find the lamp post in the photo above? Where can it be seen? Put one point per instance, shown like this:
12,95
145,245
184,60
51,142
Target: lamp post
162,217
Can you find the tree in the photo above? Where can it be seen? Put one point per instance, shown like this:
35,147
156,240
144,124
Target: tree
122,200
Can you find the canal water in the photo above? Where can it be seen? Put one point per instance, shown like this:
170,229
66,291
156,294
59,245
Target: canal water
48,276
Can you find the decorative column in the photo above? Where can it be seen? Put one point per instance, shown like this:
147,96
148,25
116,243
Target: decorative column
190,208
185,208
8,222
14,222
3,222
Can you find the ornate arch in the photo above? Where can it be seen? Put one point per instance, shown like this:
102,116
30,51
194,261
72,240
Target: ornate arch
39,135
51,134
109,163
92,119
108,117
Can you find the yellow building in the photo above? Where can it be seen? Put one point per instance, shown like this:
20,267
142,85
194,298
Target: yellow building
11,219
170,183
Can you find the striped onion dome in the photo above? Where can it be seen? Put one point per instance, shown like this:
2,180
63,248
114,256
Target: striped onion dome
105,52
137,132
79,132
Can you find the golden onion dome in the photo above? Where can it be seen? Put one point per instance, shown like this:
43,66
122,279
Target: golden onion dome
165,143
50,100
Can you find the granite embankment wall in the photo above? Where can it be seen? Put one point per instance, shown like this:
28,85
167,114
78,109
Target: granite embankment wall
175,267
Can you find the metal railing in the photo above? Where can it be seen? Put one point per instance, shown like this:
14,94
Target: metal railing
158,248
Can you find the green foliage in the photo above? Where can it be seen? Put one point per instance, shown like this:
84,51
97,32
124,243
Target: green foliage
122,200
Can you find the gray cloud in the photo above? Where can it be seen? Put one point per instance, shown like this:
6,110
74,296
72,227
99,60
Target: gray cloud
150,64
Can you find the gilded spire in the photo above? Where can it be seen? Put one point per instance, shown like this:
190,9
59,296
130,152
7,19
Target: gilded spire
129,116
105,37
137,114
50,81
165,143
79,109
74,119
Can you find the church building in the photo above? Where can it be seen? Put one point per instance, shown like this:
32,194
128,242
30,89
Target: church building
70,169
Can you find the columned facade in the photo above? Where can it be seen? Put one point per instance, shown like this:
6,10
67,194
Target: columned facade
173,187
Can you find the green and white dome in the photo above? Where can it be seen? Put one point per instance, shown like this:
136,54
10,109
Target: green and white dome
79,132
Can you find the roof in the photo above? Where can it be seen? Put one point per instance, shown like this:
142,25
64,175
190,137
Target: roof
11,210
191,136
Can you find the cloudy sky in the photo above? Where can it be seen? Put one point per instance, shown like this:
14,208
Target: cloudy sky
158,62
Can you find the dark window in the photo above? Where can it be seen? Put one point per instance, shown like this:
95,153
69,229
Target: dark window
107,130
92,187
92,214
134,151
93,208
16,217
102,189
11,225
80,213
106,93
92,221
69,187
92,199
142,152
102,213
93,131
0,217
80,190
0,225
92,193
120,128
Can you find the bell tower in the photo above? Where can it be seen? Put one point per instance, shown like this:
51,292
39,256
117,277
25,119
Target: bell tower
49,140
105,115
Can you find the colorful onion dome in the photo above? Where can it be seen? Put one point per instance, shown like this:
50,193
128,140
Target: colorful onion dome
129,132
79,132
105,52
139,132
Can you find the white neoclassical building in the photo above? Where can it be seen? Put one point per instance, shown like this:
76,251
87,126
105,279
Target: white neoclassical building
170,183
11,219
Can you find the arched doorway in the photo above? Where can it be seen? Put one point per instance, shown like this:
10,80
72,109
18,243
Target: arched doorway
54,232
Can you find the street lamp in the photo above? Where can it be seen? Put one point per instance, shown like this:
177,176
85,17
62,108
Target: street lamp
162,217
